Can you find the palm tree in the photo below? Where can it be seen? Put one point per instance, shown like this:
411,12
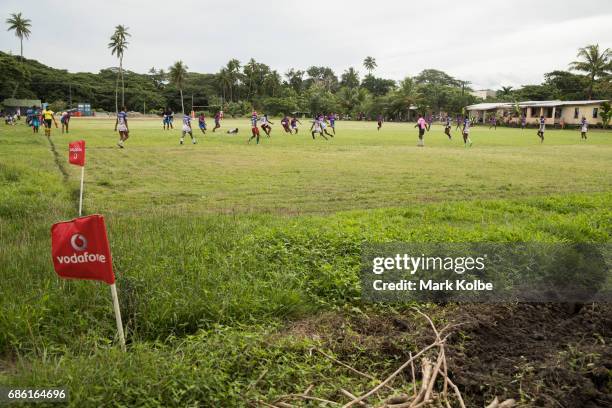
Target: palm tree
225,80
504,91
350,78
272,82
233,68
118,45
250,69
177,73
593,62
369,64
21,26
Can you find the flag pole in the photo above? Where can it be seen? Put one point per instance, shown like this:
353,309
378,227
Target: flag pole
81,194
118,315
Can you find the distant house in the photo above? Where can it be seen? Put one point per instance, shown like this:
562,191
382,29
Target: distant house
484,93
11,105
570,112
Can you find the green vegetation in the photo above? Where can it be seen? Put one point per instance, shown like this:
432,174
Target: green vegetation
222,249
238,88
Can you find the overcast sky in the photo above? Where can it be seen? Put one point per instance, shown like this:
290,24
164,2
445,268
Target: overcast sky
491,43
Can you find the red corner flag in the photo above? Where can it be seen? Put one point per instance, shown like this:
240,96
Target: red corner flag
76,153
80,249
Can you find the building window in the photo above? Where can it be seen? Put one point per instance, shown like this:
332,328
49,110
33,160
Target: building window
549,112
595,111
535,112
576,113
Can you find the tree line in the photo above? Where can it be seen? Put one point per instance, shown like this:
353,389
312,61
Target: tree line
238,88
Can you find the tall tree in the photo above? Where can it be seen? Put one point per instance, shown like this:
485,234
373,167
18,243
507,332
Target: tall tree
21,26
177,74
118,45
350,78
250,71
505,90
233,73
369,64
435,77
593,62
295,79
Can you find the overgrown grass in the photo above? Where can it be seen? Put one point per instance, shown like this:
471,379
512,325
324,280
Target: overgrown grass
218,246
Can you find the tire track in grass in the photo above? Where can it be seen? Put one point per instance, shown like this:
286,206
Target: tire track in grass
58,161
74,192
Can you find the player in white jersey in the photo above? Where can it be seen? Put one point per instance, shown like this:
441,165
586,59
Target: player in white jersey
121,125
187,129
317,128
323,124
265,124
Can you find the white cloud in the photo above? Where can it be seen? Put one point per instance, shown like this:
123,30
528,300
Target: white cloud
489,43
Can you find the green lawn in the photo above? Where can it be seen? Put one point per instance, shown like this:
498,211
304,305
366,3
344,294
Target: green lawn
359,169
219,246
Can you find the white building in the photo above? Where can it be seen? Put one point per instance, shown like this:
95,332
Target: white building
484,93
554,112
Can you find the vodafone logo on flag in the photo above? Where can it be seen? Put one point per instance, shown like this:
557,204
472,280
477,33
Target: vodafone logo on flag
78,242
76,153
80,249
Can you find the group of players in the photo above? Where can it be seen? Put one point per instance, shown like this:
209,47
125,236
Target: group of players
290,125
319,126
37,117
465,124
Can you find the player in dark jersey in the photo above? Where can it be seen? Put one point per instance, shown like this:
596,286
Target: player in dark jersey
459,120
217,121
285,124
493,122
466,132
202,122
584,128
447,127
332,121
541,129
65,120
380,121
121,125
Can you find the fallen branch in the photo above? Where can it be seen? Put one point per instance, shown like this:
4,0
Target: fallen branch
307,397
351,396
392,376
424,396
349,367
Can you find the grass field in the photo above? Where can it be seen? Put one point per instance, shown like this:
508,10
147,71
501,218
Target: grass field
221,249
359,169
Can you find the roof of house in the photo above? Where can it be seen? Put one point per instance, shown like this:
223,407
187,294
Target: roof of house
534,104
489,106
12,102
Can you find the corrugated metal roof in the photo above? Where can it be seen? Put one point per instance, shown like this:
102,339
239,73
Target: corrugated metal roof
487,106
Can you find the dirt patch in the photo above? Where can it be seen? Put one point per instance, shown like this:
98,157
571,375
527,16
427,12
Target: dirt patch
540,354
